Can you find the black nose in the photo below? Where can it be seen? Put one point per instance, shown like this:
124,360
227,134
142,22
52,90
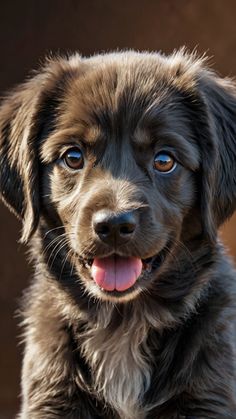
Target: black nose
114,229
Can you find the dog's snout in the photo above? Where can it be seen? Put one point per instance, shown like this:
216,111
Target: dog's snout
113,228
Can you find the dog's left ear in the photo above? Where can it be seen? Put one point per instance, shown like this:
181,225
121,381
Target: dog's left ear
219,161
18,165
26,115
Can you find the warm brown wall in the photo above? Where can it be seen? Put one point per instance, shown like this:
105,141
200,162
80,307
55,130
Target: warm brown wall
28,30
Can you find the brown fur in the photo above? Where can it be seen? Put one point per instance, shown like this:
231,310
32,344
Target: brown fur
165,348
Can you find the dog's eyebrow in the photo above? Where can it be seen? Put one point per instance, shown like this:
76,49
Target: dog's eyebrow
70,136
185,148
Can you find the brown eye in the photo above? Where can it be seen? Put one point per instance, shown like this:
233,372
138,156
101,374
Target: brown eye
164,163
73,158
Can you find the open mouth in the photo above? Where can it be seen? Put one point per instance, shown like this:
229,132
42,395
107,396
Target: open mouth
117,274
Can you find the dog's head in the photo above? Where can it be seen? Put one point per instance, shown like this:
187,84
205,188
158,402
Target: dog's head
116,160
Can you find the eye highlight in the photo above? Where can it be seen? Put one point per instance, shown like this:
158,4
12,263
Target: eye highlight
164,162
73,158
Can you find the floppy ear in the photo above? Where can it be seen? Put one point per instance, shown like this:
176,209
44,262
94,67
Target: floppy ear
26,115
219,158
18,163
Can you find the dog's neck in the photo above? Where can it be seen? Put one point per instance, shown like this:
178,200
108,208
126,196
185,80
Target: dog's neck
113,339
117,354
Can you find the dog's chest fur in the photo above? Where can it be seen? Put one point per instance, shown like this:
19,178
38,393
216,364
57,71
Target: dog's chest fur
121,364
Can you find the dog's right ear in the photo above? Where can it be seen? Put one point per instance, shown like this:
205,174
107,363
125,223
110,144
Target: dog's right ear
26,115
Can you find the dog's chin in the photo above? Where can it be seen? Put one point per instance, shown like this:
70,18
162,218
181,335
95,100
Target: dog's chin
150,269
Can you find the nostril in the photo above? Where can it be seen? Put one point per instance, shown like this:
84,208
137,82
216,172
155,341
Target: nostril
102,229
127,228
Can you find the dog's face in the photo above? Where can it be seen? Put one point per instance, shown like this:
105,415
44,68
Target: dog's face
120,160
120,173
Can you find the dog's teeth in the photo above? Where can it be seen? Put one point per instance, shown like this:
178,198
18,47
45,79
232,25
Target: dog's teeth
87,265
149,268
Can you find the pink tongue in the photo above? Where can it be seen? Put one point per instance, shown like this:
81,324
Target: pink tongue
116,272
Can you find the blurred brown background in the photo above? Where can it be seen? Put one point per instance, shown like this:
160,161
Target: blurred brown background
30,29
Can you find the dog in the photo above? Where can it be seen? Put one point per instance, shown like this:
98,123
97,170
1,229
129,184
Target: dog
122,168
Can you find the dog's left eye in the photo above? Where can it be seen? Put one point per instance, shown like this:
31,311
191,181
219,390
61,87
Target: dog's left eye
73,158
164,162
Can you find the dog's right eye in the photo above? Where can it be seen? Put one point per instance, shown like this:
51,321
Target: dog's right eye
73,158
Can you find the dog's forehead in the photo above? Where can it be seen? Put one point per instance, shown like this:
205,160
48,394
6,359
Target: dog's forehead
111,89
123,93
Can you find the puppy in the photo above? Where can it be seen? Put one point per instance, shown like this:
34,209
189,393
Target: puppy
122,167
